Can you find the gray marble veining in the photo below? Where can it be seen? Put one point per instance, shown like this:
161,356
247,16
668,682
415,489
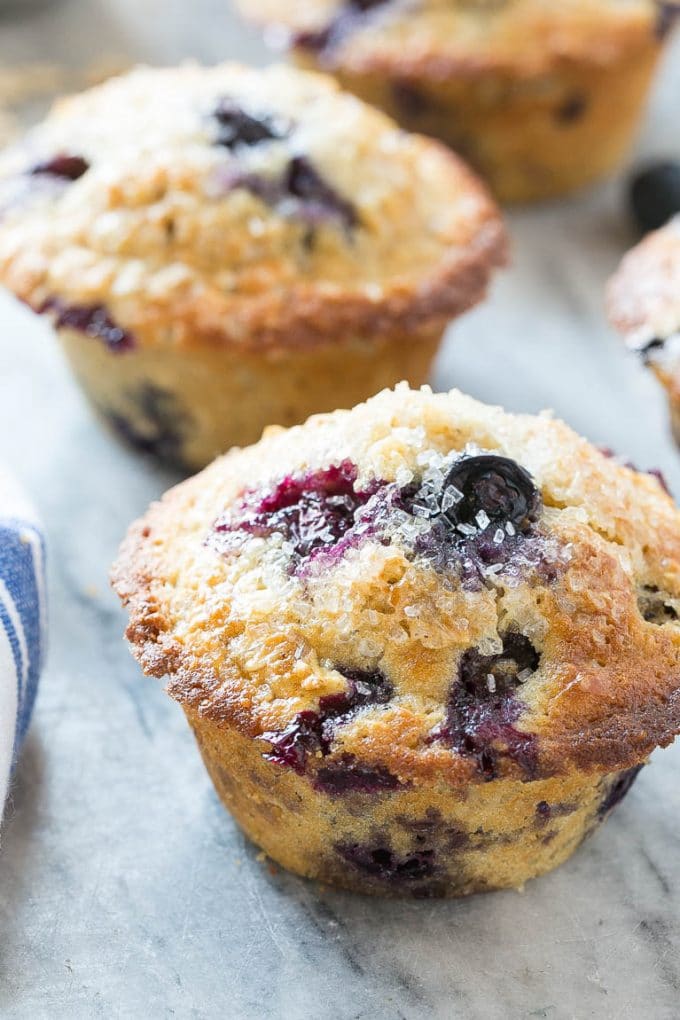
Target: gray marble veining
125,890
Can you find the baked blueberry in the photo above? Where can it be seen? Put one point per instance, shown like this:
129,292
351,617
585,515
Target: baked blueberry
153,424
380,862
487,488
318,199
310,512
92,320
484,706
615,791
236,127
346,775
346,20
312,732
300,192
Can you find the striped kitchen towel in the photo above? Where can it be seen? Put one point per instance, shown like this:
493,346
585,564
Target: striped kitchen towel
22,621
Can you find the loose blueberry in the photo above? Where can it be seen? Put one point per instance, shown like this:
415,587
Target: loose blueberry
655,195
380,862
68,168
483,707
92,320
496,487
236,127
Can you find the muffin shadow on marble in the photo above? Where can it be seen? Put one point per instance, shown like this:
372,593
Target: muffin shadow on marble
425,646
541,98
223,248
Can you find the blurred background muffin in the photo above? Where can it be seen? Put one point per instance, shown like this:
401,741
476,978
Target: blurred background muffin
643,302
541,98
222,249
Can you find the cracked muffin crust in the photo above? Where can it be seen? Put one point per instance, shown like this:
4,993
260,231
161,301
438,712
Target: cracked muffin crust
424,645
643,303
225,248
541,97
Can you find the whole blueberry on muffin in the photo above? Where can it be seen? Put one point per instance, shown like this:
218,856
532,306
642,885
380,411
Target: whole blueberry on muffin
425,645
224,248
643,302
541,97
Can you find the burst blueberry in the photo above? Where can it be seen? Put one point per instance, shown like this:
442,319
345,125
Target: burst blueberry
483,707
311,733
311,512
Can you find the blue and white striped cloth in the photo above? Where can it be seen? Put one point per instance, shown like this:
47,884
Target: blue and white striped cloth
22,621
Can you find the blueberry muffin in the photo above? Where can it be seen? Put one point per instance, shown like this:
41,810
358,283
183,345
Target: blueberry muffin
643,301
425,646
541,97
221,249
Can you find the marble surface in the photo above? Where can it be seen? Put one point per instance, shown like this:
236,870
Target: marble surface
125,890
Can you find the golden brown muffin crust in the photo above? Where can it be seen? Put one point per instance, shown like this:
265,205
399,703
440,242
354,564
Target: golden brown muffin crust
248,642
333,223
438,39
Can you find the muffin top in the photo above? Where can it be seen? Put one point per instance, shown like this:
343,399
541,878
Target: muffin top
643,297
233,205
444,38
420,589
